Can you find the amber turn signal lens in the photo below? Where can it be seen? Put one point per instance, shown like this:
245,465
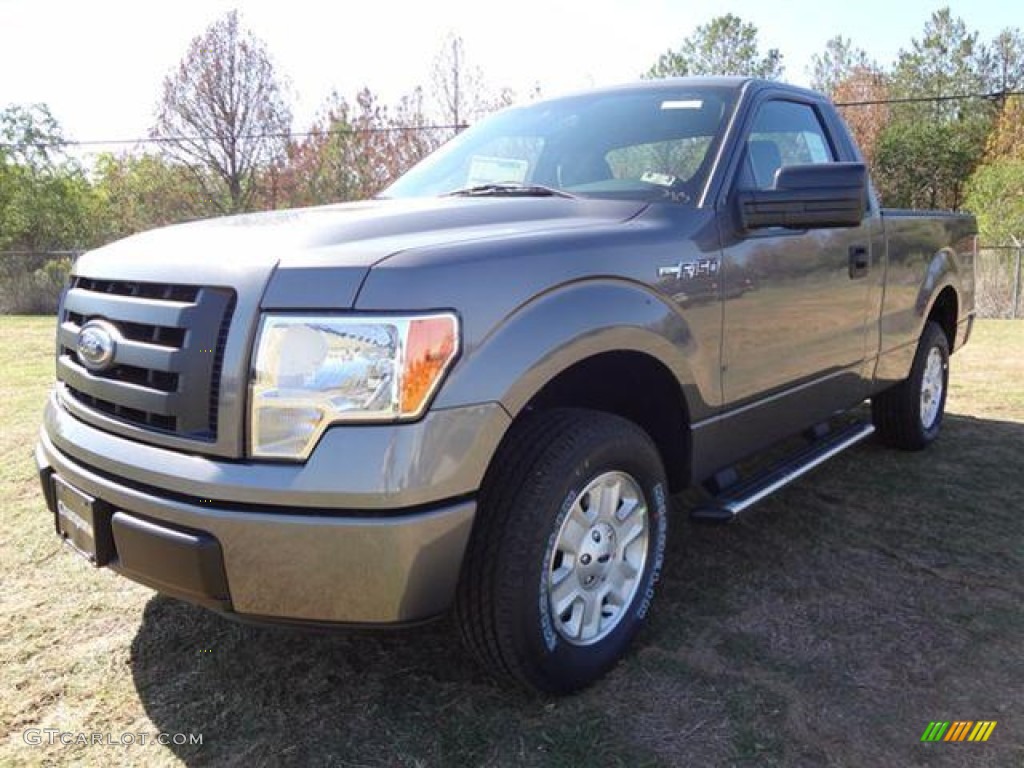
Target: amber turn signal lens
430,348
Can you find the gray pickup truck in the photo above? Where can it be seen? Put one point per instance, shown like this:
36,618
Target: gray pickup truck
477,391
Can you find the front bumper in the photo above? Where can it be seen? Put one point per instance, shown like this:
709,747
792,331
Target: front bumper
301,561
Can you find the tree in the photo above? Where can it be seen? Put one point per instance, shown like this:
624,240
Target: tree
316,170
1005,62
948,60
932,147
455,83
996,190
1006,76
223,112
45,198
1007,137
459,88
353,151
926,164
140,192
838,64
865,90
30,137
996,196
724,46
46,205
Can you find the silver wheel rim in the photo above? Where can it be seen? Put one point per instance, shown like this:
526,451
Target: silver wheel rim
598,558
932,385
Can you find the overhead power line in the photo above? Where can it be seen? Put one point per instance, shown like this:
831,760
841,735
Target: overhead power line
244,136
932,99
996,96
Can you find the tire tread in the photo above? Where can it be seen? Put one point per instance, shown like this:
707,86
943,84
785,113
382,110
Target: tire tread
895,412
539,447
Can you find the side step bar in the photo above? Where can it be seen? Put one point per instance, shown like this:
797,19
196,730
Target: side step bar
735,499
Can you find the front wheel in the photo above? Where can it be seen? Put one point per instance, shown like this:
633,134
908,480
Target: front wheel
567,547
909,415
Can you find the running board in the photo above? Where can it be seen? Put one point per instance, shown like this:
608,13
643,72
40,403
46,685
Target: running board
735,499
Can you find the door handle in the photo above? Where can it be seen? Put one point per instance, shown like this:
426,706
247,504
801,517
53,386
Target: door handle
860,261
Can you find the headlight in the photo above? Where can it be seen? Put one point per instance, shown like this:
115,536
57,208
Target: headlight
313,371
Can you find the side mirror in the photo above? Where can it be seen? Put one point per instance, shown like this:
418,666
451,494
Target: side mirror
808,197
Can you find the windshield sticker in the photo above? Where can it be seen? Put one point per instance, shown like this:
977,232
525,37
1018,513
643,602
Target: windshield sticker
660,179
683,104
496,170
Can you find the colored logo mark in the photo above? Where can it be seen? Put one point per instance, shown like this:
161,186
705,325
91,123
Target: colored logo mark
960,730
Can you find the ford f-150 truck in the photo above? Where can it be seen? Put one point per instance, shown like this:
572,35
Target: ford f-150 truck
477,391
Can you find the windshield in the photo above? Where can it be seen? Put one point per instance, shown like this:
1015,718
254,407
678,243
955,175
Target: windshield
646,143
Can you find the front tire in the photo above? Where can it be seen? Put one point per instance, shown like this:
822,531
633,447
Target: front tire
909,415
567,547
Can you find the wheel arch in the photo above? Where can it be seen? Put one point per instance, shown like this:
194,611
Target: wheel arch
635,386
940,295
944,311
605,344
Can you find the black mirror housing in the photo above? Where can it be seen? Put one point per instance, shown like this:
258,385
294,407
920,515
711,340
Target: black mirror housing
808,197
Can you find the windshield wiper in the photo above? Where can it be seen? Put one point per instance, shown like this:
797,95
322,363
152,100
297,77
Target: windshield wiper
509,188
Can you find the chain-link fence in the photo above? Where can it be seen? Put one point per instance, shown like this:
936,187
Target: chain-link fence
31,282
1000,284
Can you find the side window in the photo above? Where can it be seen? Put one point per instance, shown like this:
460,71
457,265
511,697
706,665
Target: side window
784,133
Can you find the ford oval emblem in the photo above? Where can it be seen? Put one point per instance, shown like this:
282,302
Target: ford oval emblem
97,344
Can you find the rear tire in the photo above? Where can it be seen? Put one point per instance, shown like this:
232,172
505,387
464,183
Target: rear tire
909,415
566,549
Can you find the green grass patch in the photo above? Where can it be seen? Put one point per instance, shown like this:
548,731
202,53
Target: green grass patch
828,627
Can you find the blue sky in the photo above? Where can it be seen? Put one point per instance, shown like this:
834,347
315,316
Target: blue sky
99,64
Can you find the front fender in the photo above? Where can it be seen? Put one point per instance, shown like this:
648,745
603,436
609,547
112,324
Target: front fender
570,323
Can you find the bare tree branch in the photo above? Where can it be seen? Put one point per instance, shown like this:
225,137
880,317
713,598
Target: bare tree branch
224,110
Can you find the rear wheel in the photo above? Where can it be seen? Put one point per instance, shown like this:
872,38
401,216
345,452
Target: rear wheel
909,415
566,549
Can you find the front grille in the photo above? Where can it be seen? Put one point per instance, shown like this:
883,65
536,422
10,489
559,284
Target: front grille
165,375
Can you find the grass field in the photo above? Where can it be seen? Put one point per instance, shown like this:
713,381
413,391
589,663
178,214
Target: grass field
825,629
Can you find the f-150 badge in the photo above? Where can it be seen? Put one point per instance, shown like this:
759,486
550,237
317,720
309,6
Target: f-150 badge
688,270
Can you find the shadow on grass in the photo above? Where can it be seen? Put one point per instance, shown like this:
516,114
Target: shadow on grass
263,695
827,627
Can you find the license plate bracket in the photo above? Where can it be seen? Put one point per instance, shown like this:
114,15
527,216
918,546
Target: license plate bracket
83,522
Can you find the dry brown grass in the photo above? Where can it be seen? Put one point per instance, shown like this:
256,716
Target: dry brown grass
825,629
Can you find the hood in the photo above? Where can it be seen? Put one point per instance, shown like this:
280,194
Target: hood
320,256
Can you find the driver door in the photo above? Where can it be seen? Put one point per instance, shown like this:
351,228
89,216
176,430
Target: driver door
795,308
